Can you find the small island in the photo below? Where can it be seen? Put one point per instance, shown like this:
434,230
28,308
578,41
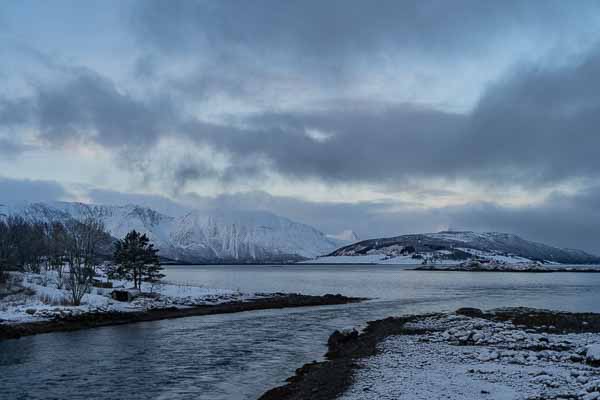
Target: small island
485,265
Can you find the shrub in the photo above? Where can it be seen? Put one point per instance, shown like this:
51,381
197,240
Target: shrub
55,301
102,284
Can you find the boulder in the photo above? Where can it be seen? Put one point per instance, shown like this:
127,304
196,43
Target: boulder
125,294
592,354
470,312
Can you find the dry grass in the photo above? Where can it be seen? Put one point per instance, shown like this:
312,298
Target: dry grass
55,301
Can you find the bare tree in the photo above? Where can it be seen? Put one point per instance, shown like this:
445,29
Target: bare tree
6,250
19,230
57,248
84,240
36,243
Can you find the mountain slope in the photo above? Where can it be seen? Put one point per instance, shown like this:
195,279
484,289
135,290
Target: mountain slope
201,237
456,247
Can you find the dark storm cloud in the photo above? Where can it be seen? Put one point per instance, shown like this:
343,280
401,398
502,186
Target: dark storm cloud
89,106
14,111
13,114
535,126
530,128
18,190
240,48
333,30
359,145
541,122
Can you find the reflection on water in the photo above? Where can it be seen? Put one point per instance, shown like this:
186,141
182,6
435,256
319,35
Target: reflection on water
239,356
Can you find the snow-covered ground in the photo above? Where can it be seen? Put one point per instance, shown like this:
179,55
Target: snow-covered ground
500,258
409,260
470,358
33,299
368,259
489,262
500,266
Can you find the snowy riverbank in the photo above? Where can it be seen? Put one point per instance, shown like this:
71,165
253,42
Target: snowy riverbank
35,297
503,354
471,358
32,307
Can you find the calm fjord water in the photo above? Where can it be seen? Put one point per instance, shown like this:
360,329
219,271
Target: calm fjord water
239,356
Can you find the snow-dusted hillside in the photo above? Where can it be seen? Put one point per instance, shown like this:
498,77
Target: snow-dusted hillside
207,237
455,248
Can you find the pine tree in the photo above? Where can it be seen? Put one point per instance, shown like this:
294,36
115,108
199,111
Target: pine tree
136,260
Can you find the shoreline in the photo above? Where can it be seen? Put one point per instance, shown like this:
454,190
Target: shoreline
100,319
530,271
331,378
583,268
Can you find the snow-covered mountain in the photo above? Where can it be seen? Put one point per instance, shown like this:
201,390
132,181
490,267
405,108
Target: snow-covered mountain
455,247
203,237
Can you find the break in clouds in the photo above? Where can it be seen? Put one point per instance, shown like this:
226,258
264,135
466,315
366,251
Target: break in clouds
207,100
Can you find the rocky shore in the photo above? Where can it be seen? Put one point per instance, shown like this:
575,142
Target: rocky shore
98,319
515,353
493,266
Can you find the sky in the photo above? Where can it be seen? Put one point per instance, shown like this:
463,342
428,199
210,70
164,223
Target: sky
384,117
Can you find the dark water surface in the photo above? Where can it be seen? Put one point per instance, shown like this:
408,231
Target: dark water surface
239,356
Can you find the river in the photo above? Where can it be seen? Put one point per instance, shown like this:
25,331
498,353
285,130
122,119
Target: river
239,356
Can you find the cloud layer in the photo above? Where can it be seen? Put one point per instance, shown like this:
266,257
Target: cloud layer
400,100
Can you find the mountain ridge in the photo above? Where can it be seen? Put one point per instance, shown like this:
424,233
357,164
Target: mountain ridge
215,236
458,246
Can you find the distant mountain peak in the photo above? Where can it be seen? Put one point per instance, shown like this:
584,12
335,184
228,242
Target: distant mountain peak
202,236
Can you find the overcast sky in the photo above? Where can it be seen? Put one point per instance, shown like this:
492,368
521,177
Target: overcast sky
384,117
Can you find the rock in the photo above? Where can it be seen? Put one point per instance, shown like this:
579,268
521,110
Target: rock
338,339
582,379
125,294
488,356
592,354
470,312
477,337
30,311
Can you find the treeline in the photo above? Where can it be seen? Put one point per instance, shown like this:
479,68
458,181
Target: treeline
33,246
74,251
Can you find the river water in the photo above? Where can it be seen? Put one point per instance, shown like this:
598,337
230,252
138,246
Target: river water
239,356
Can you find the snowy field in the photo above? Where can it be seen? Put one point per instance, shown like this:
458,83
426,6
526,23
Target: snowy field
34,297
367,259
382,257
469,358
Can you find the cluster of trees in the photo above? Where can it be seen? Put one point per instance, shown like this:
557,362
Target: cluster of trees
74,250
